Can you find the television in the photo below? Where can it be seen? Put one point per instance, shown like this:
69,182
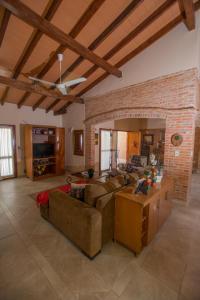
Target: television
43,150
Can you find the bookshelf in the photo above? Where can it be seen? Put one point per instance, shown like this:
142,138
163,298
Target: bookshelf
44,151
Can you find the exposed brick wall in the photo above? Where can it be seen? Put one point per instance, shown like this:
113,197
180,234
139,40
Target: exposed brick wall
174,98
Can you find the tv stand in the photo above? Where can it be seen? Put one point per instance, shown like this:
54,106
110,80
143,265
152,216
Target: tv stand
44,151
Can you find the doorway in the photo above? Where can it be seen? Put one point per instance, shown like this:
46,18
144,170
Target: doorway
117,146
7,152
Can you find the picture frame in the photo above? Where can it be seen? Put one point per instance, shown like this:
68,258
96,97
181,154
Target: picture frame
96,139
148,139
78,142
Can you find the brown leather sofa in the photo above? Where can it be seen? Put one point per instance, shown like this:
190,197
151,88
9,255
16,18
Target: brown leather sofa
88,224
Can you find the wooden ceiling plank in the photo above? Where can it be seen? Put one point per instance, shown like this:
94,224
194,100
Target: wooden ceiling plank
26,14
188,12
4,24
36,38
140,48
83,20
133,34
132,54
48,14
114,25
136,51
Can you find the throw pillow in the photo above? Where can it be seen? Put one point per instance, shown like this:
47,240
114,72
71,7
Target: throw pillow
78,191
92,192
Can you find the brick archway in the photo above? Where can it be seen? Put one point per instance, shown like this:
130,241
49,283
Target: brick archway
173,97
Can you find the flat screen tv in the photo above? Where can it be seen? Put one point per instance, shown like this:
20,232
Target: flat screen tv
43,150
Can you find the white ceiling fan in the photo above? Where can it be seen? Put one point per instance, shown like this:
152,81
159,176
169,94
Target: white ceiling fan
62,87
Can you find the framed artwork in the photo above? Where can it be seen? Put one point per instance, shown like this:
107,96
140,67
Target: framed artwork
78,142
148,139
96,138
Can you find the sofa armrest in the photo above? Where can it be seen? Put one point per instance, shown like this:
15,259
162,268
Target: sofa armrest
80,222
106,206
103,201
44,211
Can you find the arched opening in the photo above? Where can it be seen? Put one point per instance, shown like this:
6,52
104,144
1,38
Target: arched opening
119,141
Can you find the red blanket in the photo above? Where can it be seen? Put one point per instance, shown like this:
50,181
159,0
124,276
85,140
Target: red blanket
43,197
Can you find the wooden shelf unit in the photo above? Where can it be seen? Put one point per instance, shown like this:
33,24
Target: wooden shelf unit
44,166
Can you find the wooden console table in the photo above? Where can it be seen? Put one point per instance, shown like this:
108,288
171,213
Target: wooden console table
139,217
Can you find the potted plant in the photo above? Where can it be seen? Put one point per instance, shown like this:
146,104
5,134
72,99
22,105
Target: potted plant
90,172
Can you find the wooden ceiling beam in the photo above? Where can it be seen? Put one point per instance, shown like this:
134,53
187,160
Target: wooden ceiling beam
26,14
133,34
35,38
187,10
84,19
4,24
113,26
33,88
38,103
136,51
140,48
52,105
82,22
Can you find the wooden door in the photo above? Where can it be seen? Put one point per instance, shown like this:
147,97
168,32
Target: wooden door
28,150
60,151
153,219
133,144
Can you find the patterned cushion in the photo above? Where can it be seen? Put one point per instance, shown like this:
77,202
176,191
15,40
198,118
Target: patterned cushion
77,191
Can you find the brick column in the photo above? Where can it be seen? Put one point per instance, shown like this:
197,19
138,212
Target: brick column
180,167
89,146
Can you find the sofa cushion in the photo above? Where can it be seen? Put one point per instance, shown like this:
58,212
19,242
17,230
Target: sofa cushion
93,191
117,181
133,177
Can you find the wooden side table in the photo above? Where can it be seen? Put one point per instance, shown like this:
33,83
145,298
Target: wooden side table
139,217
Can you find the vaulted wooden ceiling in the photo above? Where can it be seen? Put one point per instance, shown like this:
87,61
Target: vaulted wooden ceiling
96,37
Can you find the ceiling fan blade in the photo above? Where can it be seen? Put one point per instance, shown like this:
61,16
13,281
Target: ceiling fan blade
62,88
42,81
75,81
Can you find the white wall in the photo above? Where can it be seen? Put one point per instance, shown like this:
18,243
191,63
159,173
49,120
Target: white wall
11,115
73,120
177,51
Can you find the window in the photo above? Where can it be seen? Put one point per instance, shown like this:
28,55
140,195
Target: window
78,142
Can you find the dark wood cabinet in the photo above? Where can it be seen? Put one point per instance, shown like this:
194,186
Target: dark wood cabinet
44,151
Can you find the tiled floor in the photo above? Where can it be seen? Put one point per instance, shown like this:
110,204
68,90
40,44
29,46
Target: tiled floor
37,262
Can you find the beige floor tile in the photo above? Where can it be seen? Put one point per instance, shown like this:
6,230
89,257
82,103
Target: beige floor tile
32,251
166,266
110,267
34,287
15,262
190,287
145,287
6,228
